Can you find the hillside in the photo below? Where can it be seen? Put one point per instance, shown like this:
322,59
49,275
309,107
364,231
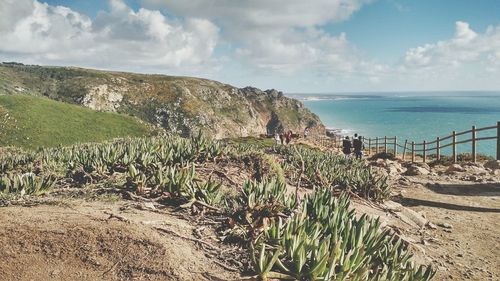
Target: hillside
181,105
32,122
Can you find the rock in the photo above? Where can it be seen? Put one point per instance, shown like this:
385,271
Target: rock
415,170
149,205
431,225
454,168
423,165
392,206
415,217
493,165
445,225
395,168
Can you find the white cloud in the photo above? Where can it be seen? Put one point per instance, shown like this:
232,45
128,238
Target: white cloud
281,35
264,13
41,33
466,47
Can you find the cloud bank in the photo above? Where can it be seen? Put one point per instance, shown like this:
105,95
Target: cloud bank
37,32
282,43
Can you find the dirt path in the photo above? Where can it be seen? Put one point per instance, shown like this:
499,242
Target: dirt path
102,241
468,246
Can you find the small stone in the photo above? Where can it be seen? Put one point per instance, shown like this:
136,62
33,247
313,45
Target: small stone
493,165
149,205
431,225
415,170
454,168
445,225
442,268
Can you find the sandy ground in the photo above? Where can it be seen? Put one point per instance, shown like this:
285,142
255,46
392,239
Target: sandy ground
468,247
103,241
124,240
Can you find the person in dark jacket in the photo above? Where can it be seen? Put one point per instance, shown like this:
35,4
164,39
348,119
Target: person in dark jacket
346,147
358,147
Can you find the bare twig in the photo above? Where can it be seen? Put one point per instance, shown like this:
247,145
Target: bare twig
185,237
118,217
230,268
111,268
220,173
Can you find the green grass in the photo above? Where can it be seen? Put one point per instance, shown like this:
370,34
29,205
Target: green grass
258,142
30,122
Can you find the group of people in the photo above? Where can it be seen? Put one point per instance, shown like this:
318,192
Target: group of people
355,147
283,138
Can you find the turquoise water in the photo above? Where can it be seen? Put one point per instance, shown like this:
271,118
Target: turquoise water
414,116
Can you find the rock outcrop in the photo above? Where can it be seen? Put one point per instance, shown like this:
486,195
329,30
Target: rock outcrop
493,165
181,105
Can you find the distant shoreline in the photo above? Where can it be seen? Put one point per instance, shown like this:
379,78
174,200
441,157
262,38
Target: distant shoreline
402,94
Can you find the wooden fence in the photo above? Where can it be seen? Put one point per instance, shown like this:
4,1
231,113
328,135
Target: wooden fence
425,148
411,150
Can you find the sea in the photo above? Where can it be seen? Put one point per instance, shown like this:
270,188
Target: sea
414,116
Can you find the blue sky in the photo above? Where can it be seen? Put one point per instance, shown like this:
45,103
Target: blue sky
386,29
292,45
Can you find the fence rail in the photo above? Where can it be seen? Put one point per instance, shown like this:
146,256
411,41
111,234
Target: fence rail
425,148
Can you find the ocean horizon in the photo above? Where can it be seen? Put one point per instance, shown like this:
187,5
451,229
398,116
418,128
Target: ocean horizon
412,116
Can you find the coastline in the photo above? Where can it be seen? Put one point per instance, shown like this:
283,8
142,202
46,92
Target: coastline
415,118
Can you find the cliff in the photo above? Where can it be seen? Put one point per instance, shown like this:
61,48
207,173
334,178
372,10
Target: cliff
181,105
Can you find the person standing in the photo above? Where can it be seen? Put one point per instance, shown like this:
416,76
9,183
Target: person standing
346,147
277,139
358,147
288,136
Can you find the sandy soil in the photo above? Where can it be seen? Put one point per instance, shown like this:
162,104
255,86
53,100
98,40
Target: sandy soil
468,246
104,241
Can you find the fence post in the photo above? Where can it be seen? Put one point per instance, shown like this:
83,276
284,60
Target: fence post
376,145
404,149
474,155
385,144
454,146
369,146
395,147
413,151
425,152
438,149
498,140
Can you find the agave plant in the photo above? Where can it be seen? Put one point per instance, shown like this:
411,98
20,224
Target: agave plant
323,240
27,183
330,170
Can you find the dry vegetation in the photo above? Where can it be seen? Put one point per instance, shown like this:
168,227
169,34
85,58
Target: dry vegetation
254,194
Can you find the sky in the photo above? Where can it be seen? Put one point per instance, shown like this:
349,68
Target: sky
295,46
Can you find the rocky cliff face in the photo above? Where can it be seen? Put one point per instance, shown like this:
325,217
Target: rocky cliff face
181,105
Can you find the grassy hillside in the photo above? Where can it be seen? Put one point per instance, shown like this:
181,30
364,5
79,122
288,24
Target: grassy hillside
31,122
182,105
